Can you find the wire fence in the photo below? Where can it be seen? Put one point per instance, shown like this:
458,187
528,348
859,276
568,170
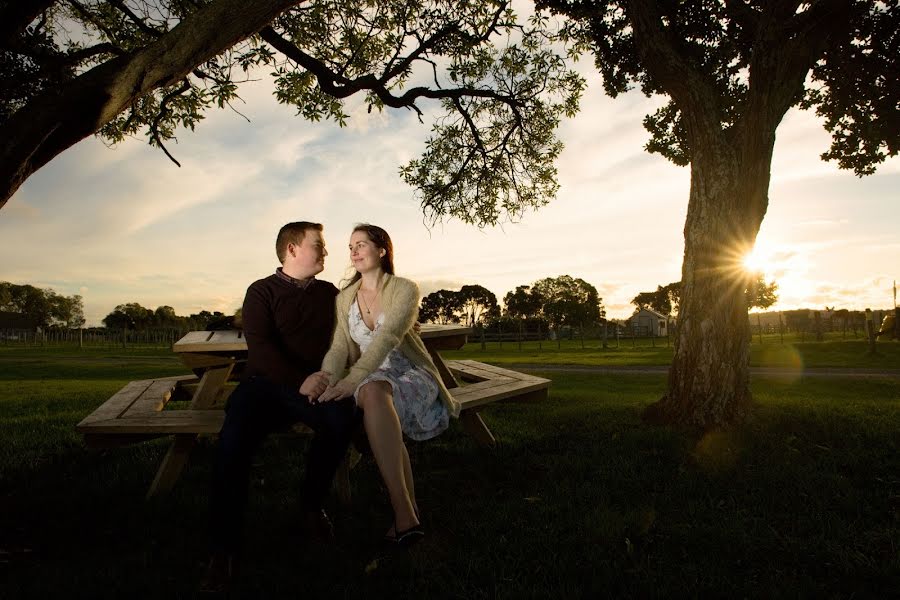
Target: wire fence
90,338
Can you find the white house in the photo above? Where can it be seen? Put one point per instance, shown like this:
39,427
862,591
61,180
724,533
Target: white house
646,322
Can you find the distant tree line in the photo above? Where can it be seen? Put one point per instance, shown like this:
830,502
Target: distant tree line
42,307
549,303
135,317
666,299
46,309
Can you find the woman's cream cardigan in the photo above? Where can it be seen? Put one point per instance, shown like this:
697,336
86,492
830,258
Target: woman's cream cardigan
400,304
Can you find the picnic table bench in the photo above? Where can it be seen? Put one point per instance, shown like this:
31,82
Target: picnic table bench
188,406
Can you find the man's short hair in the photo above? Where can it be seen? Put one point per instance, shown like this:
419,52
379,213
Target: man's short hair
293,233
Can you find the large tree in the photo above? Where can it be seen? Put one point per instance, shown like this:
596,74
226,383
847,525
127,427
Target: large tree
523,302
569,301
731,69
130,315
442,306
73,68
477,303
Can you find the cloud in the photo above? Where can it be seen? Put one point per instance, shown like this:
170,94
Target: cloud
126,225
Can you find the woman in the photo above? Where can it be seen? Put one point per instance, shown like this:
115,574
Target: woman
377,357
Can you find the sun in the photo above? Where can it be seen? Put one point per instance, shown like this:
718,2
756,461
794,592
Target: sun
759,259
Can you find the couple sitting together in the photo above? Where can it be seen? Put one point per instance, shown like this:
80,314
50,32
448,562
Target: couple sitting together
330,360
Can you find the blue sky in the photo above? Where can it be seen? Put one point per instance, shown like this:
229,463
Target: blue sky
126,225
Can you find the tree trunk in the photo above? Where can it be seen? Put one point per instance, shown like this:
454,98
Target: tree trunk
46,126
709,378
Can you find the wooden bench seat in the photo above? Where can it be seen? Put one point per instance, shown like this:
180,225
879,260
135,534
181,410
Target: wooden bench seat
149,408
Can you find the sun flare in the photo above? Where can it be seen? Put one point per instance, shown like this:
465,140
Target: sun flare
759,259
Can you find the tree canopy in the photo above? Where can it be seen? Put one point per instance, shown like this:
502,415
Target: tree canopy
471,304
745,62
120,68
441,306
43,307
477,304
523,302
131,315
569,301
665,300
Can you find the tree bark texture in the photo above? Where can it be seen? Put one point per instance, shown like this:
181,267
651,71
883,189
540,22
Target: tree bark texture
52,123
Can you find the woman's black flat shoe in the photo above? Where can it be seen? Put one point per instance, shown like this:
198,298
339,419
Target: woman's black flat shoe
410,537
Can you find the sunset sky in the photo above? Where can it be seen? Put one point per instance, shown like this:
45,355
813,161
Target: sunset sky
126,225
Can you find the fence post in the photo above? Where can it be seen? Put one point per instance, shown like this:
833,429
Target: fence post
605,334
870,331
759,326
540,337
520,335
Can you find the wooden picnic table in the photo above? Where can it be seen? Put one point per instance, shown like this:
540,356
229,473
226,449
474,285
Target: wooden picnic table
138,411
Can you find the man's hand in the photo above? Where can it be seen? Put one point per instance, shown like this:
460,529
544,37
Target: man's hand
341,389
313,386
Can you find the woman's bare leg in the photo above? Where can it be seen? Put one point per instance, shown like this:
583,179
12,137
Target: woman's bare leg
386,440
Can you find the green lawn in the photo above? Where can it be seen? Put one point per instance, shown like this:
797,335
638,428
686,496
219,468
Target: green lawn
580,499
834,353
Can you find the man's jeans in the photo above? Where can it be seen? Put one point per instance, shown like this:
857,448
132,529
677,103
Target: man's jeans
256,408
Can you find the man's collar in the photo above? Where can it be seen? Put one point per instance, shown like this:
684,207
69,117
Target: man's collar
300,283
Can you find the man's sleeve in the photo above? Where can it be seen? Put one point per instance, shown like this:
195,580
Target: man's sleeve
261,333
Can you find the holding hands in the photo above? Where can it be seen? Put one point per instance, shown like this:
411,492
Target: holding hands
313,386
316,388
341,389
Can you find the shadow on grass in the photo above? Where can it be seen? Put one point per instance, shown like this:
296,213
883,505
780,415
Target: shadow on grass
580,499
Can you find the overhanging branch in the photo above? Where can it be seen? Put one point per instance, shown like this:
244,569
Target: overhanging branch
339,86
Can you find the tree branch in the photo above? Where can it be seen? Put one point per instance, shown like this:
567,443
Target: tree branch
743,14
51,123
783,54
18,16
76,56
695,96
163,111
136,20
338,86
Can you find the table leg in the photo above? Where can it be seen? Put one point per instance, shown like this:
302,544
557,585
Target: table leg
443,370
173,464
210,385
475,427
180,451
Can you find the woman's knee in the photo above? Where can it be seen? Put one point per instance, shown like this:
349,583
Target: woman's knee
374,395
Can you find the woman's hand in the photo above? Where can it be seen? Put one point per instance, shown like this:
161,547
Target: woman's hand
341,389
313,386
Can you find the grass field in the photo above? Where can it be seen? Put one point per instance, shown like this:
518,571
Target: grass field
580,499
793,354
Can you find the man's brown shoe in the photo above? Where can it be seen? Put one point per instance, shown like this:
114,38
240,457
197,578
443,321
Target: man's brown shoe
316,526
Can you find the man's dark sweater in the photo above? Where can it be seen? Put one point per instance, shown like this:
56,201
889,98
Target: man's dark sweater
288,327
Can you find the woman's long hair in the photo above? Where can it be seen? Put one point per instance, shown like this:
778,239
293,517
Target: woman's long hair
381,239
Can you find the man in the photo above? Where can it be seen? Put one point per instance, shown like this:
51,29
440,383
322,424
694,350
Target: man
288,319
